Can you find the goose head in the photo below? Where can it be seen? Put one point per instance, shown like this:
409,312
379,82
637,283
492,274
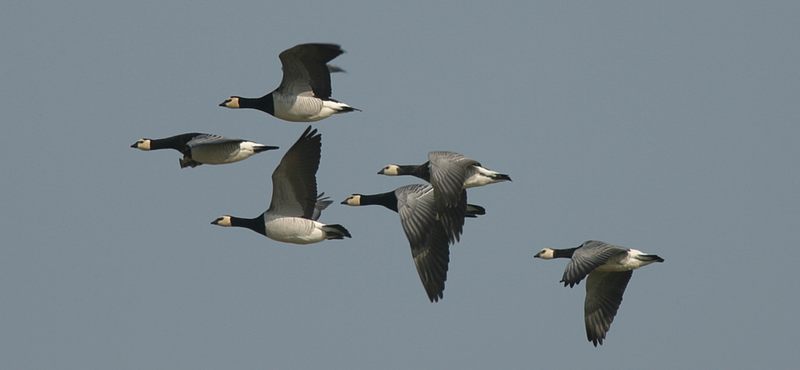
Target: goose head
232,102
142,144
390,170
353,200
545,254
224,221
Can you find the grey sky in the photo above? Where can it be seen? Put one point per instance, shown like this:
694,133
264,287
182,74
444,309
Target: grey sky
669,127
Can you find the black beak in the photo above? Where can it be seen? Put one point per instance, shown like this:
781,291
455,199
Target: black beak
223,103
134,145
215,222
344,202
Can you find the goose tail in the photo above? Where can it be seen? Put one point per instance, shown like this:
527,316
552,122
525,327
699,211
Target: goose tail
649,257
474,210
263,148
335,231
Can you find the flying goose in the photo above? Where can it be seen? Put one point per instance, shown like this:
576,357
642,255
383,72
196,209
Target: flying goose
427,236
609,267
450,174
292,214
304,94
198,148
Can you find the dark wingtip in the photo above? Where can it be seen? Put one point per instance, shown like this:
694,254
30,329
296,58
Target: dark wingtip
435,297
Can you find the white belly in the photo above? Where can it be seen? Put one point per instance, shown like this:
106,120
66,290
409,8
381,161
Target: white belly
296,230
216,155
300,108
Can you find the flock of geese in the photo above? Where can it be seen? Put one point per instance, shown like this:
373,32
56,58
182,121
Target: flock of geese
431,214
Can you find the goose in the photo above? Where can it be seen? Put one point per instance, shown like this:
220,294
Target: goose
427,237
609,268
295,207
450,174
304,94
198,148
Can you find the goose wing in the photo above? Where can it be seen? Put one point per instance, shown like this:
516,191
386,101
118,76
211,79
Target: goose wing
587,258
181,142
210,139
305,69
448,172
604,292
294,181
320,205
427,237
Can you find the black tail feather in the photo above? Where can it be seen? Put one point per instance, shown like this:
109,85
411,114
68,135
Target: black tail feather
335,231
650,257
264,148
502,176
348,109
474,210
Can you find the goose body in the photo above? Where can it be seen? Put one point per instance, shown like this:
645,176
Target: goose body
295,206
198,148
304,94
450,174
609,268
426,235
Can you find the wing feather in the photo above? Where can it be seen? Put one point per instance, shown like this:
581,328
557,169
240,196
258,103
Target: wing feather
305,69
448,172
604,292
427,237
294,181
588,257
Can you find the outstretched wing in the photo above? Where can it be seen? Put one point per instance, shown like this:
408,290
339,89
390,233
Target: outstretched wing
427,237
588,257
210,139
604,292
448,172
294,181
305,69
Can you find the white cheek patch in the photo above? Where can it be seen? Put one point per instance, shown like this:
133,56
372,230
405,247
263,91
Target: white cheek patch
354,201
143,144
390,170
232,103
224,221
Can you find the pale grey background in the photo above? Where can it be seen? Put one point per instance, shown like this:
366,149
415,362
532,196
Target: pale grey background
671,127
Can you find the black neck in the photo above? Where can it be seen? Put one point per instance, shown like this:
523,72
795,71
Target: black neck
563,253
388,200
255,224
177,142
422,171
264,103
